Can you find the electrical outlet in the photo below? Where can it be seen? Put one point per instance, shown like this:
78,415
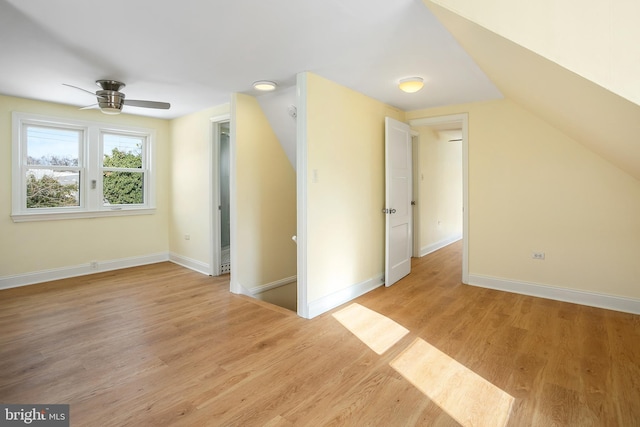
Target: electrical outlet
94,265
537,255
187,237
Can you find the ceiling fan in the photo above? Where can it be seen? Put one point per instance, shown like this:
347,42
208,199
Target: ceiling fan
111,100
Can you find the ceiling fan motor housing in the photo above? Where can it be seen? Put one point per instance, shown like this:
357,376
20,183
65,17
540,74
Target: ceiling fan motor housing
110,101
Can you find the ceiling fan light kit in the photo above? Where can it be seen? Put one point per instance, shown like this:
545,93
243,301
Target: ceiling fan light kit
110,100
411,84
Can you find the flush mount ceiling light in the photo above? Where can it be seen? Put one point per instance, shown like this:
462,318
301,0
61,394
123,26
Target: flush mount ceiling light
264,85
411,84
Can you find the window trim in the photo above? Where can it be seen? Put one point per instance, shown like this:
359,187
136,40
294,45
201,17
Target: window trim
90,166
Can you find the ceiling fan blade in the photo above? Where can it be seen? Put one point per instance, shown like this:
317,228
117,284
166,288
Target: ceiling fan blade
147,104
84,90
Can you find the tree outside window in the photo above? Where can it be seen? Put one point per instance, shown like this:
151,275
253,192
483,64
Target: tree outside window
122,178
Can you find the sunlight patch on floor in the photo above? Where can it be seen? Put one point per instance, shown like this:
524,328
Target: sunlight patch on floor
464,395
375,330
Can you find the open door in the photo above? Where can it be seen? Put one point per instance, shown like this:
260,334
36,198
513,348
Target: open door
398,193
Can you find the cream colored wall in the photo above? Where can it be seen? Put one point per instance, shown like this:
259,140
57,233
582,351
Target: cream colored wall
440,187
265,199
570,33
533,188
191,184
345,148
44,245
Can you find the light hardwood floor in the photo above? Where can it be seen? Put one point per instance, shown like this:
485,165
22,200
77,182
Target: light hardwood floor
160,345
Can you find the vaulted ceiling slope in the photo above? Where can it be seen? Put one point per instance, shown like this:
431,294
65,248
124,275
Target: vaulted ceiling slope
606,123
593,38
195,53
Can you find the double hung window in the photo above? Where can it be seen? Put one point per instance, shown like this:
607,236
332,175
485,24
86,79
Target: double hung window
68,169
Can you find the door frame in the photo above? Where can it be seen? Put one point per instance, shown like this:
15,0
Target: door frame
301,195
214,179
463,119
415,208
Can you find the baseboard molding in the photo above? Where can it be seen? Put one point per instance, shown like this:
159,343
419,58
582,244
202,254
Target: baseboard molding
191,264
25,279
592,299
426,250
272,285
439,245
335,299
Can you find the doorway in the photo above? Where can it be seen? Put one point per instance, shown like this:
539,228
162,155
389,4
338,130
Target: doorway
456,126
220,197
224,206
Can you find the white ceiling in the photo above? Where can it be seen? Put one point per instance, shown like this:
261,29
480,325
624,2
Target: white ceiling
195,53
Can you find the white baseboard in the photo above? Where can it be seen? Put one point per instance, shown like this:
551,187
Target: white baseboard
272,285
335,299
25,279
593,299
191,264
426,250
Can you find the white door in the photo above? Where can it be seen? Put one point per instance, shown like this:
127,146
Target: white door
398,195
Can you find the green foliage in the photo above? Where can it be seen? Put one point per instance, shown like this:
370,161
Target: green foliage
121,188
47,192
122,159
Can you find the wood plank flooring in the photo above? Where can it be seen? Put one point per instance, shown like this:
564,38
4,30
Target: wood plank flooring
160,345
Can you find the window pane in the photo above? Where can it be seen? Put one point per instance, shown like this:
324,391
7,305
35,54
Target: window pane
122,151
52,189
122,188
53,146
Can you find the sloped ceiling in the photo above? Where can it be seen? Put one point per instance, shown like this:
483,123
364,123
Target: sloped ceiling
604,122
280,109
569,33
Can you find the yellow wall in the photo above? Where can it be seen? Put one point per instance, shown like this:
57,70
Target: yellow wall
595,39
265,200
44,245
191,184
440,187
532,188
345,148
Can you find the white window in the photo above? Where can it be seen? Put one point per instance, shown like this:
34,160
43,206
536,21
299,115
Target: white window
74,169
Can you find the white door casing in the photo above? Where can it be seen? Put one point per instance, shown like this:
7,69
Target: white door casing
398,194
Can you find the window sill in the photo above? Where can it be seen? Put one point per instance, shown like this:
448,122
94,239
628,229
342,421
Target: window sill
48,216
